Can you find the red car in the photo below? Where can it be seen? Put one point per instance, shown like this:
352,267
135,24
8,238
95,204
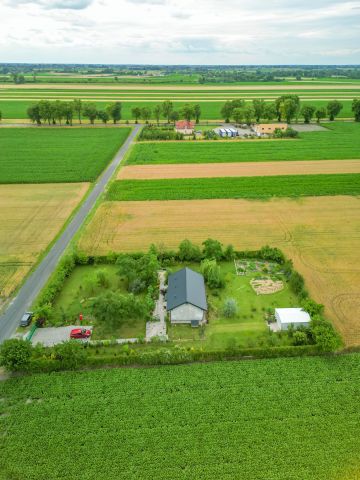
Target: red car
80,333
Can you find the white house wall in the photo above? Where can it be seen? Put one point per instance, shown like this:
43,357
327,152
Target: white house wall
185,313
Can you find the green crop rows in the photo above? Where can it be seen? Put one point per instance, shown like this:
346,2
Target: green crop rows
235,187
45,155
271,419
341,141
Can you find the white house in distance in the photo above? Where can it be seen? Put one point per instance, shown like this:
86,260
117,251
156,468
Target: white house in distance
186,298
185,127
291,316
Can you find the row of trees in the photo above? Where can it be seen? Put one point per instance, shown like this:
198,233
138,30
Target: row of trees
52,112
166,110
286,107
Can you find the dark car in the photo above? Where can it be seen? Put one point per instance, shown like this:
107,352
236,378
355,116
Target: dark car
26,319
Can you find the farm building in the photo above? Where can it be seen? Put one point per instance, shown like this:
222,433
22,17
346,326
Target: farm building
186,298
269,128
291,316
185,127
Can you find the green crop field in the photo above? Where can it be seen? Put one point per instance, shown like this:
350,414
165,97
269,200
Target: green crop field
45,155
210,108
340,141
235,187
277,419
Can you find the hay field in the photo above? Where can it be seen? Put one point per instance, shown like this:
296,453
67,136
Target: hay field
320,234
244,169
30,218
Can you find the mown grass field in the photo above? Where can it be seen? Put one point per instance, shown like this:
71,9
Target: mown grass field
45,155
30,218
210,107
275,419
341,141
320,234
235,187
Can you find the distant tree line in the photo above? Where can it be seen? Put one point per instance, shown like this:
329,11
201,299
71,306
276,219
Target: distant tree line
166,110
284,108
57,111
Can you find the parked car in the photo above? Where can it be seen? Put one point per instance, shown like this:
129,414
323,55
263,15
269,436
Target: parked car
26,319
80,333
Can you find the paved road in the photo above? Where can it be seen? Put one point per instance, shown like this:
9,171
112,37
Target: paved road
35,282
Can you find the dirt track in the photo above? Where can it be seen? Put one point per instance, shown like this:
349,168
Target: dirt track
243,169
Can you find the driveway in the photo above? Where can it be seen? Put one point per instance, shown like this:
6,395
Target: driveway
51,336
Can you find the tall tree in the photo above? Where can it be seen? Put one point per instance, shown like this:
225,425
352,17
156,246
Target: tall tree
333,109
355,107
90,111
269,111
288,109
46,110
226,111
187,111
146,114
114,111
103,116
249,114
320,114
136,113
174,116
58,111
307,112
68,112
78,107
33,113
197,112
291,108
238,115
259,107
157,113
167,108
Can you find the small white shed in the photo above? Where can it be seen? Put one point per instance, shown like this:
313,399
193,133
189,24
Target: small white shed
291,316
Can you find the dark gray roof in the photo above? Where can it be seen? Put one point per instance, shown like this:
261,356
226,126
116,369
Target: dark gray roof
186,286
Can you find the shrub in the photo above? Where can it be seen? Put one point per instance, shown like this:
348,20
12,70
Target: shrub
300,338
15,354
71,354
212,249
189,252
230,308
212,274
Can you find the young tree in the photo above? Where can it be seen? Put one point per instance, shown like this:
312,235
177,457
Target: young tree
197,112
333,109
146,114
33,113
103,115
136,113
114,111
230,308
320,114
15,354
269,111
187,111
259,108
167,108
212,273
212,249
78,107
90,111
307,112
355,107
157,113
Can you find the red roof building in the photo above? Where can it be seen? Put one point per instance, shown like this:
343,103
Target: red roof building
184,125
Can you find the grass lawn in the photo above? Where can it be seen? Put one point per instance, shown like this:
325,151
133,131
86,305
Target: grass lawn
44,155
235,187
277,419
76,296
248,328
344,139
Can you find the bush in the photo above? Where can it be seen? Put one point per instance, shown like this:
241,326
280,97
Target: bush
212,274
230,308
212,249
300,338
71,354
151,132
325,336
189,252
15,354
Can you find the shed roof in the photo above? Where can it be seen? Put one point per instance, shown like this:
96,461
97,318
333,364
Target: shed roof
186,286
292,315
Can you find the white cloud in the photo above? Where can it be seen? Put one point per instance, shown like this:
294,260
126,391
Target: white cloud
180,31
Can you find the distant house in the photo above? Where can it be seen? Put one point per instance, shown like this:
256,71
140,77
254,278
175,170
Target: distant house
185,127
291,316
186,298
269,128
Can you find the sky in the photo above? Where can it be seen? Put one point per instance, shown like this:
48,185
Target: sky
232,32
